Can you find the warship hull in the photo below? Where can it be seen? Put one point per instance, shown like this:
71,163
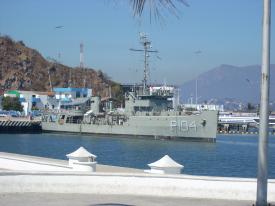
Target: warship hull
198,127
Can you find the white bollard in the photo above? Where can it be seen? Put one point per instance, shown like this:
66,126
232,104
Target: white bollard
166,165
82,160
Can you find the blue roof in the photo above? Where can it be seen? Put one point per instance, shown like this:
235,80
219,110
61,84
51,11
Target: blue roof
68,89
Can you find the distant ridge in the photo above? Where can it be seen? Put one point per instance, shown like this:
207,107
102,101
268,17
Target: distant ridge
24,68
229,82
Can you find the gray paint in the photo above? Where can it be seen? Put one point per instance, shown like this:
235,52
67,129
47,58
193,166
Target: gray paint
144,115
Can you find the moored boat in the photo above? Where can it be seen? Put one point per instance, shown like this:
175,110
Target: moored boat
149,111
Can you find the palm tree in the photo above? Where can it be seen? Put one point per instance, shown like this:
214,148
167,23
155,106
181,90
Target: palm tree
155,6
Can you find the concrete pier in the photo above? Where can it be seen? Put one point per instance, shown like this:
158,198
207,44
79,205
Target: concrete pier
19,124
17,162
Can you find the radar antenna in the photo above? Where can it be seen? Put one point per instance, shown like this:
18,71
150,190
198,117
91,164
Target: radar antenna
146,49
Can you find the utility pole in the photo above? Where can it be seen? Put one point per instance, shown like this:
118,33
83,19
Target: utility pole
50,81
70,78
196,91
262,182
81,55
53,63
82,63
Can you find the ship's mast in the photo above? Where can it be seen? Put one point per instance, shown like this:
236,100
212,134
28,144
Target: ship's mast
146,49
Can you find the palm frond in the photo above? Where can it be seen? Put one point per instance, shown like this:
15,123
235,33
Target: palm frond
155,6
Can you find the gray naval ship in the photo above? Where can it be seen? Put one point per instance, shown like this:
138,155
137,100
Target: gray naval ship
148,112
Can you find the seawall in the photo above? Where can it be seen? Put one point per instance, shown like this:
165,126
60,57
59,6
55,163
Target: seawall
19,124
125,181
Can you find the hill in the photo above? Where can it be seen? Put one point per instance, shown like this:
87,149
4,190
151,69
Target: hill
228,83
24,68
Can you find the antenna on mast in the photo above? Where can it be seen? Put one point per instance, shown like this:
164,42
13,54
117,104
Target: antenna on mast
146,49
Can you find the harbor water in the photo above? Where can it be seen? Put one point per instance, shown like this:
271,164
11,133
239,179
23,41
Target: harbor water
230,156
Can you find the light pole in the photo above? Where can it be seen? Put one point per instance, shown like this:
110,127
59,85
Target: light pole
264,111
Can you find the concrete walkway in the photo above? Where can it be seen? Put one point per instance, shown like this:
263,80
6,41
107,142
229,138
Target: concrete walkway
24,181
16,159
44,199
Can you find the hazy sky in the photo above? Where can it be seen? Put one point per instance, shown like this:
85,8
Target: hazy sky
207,34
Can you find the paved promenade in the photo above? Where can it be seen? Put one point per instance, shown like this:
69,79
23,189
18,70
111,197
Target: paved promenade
34,199
24,181
7,158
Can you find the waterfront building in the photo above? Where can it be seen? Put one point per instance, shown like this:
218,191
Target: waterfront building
71,98
68,94
31,100
60,98
200,107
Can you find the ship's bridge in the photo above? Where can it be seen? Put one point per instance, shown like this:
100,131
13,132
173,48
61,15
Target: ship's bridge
146,103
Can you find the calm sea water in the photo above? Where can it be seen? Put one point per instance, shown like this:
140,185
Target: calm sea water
231,156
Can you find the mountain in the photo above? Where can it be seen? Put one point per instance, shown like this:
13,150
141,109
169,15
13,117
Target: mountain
228,83
24,68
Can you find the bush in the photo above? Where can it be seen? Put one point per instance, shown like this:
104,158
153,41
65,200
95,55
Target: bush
12,103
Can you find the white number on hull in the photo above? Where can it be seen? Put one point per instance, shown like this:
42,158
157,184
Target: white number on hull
183,125
193,125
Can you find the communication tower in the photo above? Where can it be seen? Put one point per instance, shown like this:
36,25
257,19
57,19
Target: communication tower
82,63
81,55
